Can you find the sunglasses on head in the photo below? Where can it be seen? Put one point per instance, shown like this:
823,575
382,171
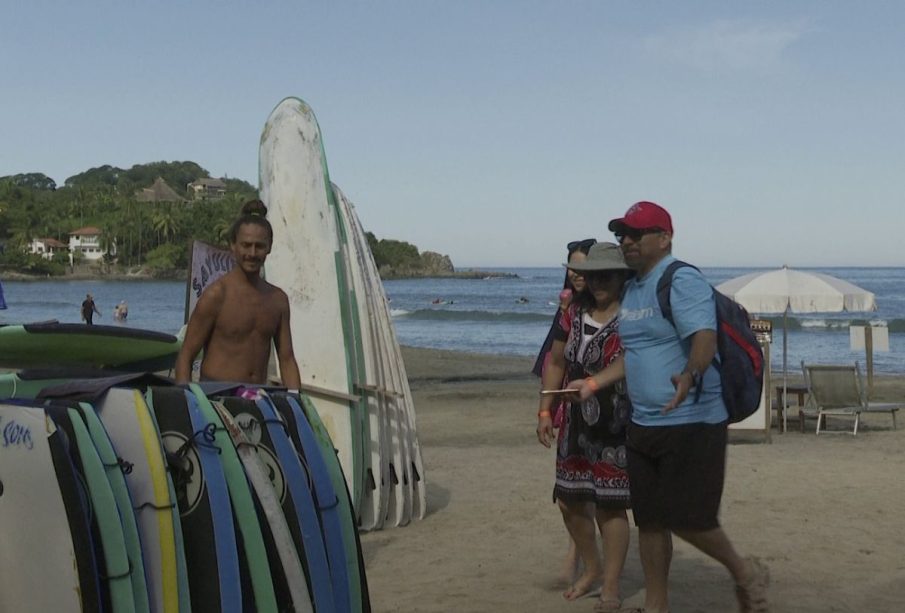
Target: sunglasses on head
582,245
635,234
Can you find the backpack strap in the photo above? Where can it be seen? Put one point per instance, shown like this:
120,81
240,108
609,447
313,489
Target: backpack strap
664,286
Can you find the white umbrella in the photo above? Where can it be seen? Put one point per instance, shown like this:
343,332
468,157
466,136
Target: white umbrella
785,290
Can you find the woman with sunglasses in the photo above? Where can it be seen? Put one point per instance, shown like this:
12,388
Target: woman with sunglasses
572,291
591,479
571,297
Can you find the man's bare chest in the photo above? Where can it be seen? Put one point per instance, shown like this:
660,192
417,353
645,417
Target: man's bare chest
240,318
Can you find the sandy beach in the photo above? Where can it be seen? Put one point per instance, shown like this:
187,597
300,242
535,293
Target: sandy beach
825,513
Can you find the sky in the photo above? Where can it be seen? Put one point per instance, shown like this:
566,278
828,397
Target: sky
497,131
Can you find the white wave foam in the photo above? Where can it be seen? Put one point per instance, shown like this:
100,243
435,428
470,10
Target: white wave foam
399,312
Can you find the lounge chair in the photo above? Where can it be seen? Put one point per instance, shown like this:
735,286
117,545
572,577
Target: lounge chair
838,390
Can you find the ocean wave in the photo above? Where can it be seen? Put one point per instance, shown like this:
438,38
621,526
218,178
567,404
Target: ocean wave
483,316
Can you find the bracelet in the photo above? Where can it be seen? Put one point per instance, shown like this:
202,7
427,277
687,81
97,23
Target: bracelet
592,383
544,413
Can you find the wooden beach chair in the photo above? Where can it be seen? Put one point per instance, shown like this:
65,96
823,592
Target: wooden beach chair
839,391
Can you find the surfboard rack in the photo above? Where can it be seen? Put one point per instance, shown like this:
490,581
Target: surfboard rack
322,391
380,391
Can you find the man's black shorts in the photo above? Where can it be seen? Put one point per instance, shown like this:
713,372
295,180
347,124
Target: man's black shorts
676,475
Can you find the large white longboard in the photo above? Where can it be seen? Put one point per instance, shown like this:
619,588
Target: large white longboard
306,262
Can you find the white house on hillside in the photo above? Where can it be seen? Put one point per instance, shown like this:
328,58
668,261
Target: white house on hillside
47,247
207,188
87,242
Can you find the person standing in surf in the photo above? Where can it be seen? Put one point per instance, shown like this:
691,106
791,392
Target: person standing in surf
89,309
238,316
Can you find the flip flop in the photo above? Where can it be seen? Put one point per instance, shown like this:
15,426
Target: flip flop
608,605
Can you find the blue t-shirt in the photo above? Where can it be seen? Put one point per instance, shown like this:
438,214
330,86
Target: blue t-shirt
655,350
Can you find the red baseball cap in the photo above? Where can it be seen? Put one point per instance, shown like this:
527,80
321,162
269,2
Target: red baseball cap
641,216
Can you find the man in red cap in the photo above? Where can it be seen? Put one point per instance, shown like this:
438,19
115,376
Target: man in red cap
676,441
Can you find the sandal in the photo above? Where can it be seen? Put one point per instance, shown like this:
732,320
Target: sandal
752,595
608,605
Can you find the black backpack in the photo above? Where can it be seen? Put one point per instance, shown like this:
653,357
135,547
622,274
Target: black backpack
741,363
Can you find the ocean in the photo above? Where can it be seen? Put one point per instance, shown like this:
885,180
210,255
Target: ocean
497,315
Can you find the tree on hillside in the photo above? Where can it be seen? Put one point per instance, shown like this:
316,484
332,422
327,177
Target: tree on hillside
177,174
397,254
164,222
238,186
372,241
32,180
101,175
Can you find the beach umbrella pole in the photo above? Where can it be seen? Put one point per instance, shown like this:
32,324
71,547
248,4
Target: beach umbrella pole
783,400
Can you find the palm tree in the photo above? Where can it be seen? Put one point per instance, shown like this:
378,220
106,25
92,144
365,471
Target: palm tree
164,222
108,242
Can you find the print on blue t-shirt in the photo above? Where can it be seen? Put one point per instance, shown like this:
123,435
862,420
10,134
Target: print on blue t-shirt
655,350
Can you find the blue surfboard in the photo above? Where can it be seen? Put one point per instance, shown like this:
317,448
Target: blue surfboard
328,501
299,481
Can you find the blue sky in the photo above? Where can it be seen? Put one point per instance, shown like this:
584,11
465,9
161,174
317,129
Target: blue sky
495,132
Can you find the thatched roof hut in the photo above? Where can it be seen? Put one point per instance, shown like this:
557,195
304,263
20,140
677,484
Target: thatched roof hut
158,192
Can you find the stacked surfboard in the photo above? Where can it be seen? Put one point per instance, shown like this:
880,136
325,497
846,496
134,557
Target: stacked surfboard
167,499
51,343
343,336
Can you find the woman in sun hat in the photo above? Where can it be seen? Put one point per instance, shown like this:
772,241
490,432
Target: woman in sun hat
591,479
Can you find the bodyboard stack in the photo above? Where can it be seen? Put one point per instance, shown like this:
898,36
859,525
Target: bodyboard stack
174,501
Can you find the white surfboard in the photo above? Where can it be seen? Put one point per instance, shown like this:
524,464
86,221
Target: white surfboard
371,382
414,469
400,407
306,262
397,420
135,439
36,542
399,493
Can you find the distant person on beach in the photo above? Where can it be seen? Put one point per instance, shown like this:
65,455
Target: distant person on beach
238,316
89,309
592,483
676,439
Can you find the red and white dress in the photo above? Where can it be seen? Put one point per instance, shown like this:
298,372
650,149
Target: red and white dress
590,450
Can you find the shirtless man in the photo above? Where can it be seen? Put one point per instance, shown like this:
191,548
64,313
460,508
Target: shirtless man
238,316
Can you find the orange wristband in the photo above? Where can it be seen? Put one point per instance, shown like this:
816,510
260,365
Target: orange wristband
543,413
592,383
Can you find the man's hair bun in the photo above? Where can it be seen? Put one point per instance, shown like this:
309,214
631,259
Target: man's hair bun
254,208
